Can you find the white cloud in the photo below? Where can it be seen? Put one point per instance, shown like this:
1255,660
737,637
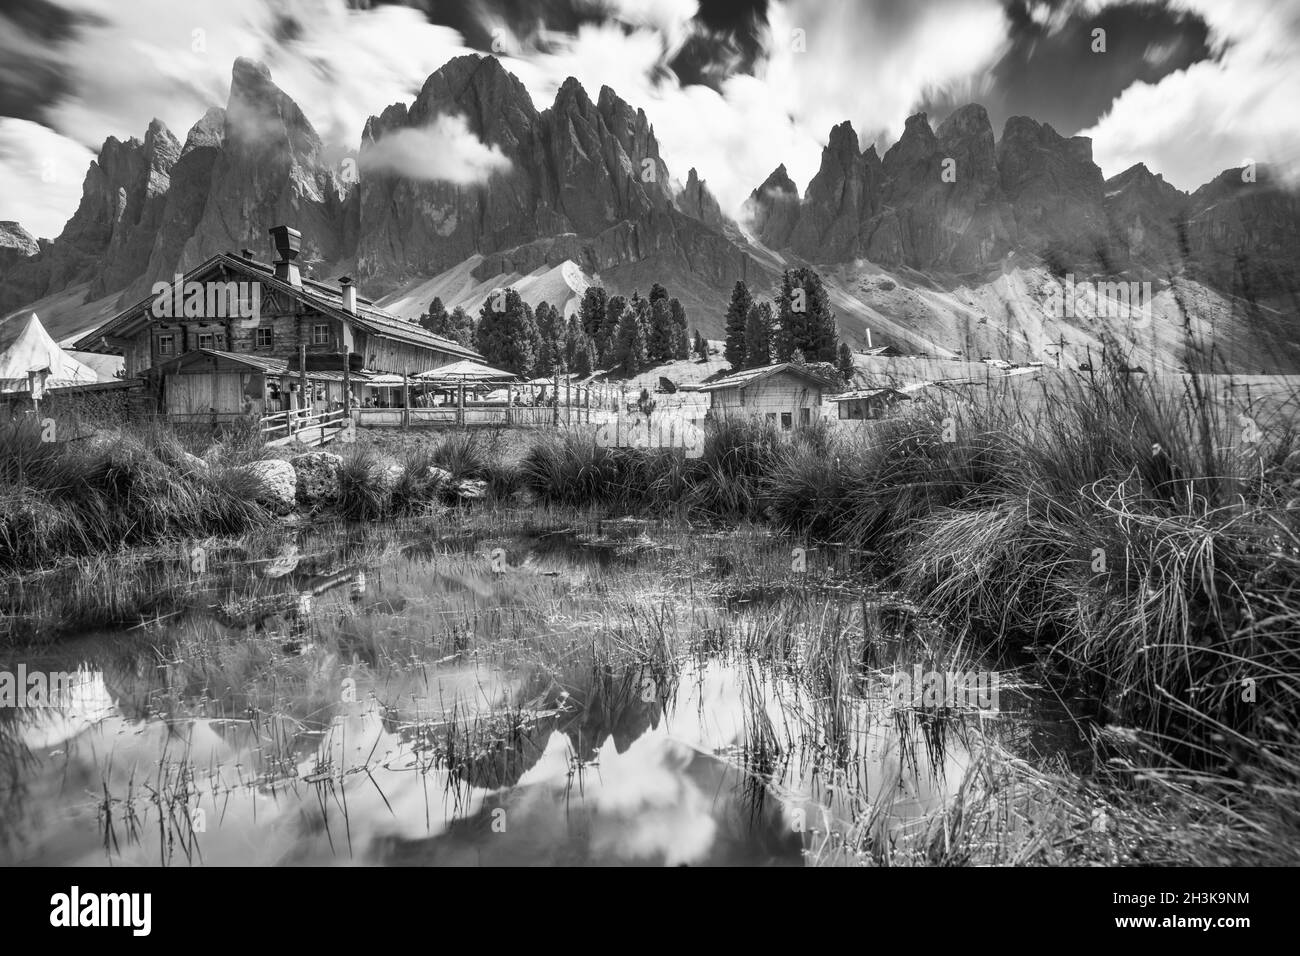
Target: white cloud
340,66
343,65
446,151
1216,114
856,63
870,63
171,59
42,174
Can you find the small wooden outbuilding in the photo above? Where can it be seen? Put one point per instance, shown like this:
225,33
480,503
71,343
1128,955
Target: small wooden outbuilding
865,404
785,394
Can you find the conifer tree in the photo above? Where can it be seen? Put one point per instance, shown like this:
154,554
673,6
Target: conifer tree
737,315
758,335
507,332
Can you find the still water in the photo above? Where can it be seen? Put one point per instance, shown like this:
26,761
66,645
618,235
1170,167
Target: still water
622,693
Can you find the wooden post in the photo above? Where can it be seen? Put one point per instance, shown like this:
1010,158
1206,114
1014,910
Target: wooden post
347,388
510,403
555,397
460,403
303,403
406,398
568,401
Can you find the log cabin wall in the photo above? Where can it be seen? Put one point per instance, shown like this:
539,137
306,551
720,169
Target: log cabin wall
383,354
770,397
298,326
291,322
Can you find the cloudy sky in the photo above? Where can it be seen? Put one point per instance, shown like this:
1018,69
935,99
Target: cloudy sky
1190,87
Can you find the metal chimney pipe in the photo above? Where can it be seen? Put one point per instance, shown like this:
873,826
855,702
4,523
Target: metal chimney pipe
349,295
288,243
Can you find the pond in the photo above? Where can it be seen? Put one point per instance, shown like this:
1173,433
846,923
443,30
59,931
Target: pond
550,690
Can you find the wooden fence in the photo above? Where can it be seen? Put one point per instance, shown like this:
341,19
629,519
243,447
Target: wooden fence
299,423
526,405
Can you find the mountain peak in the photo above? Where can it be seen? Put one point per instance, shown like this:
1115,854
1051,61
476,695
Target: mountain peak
459,71
572,89
698,202
210,130
916,122
778,181
14,236
1140,177
262,118
843,139
969,120
248,74
609,97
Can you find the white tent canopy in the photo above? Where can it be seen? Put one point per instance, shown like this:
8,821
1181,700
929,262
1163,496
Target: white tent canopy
465,371
26,347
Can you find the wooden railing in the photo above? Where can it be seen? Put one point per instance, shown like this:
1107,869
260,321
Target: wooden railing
292,421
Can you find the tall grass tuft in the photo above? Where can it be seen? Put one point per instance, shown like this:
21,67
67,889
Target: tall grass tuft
465,454
102,492
366,485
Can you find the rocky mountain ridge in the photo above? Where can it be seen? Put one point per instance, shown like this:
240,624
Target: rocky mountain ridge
583,182
956,200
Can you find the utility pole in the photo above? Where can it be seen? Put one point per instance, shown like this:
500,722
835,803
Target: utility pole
406,399
347,388
555,398
303,404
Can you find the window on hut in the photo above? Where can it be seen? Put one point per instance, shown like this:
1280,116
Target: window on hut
787,420
320,334
166,344
264,338
206,340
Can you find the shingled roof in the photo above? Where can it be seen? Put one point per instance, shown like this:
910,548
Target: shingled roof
751,375
326,298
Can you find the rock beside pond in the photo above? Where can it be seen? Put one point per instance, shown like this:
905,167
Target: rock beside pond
317,476
192,463
470,489
277,484
390,473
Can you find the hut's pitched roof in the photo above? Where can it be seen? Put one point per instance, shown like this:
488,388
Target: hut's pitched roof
751,375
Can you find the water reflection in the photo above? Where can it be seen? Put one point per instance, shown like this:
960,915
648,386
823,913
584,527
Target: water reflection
320,732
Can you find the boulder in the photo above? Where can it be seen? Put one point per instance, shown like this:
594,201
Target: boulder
470,489
390,473
192,463
439,477
277,484
317,476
